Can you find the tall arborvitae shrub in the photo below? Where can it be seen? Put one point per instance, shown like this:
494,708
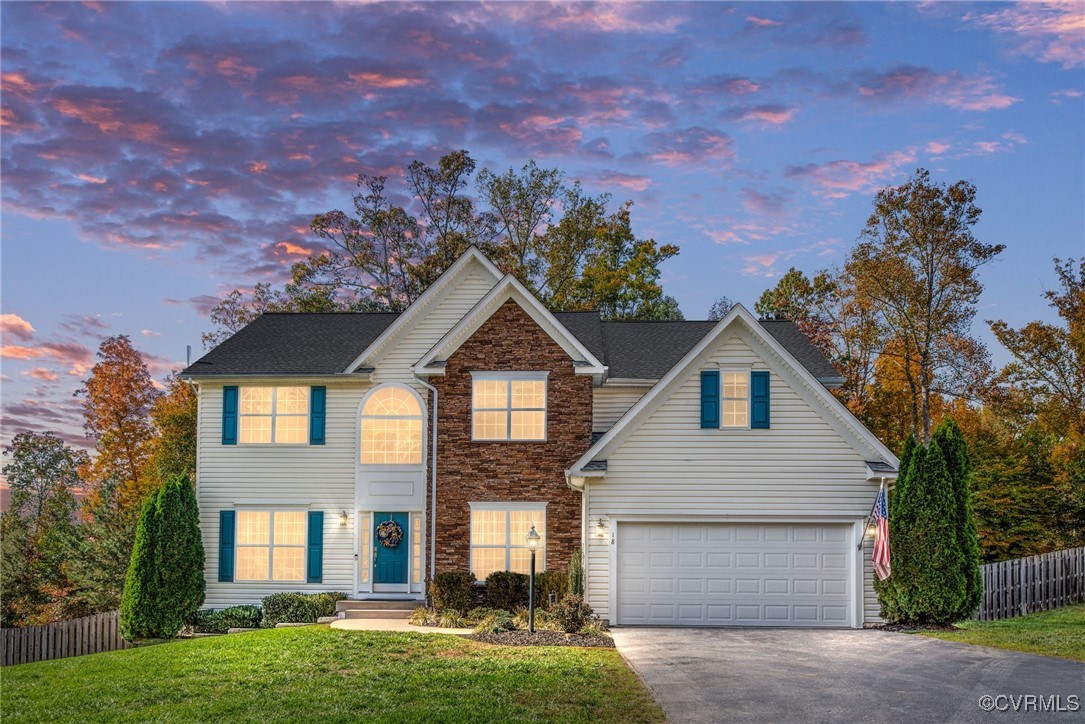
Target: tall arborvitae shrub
139,614
165,584
576,573
928,564
959,465
886,590
179,555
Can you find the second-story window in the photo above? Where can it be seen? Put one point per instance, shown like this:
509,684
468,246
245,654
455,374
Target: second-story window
392,428
736,399
508,406
273,414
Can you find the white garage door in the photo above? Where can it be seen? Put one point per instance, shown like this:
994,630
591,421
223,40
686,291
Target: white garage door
715,574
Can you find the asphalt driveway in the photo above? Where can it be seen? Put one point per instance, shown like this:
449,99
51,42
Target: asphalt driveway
807,675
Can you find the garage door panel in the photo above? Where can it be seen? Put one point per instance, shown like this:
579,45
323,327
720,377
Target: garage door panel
733,574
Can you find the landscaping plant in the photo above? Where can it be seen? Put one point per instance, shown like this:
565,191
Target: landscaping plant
298,607
572,613
452,590
886,590
508,590
165,583
576,573
553,581
959,466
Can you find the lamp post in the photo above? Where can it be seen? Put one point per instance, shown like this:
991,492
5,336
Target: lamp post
533,539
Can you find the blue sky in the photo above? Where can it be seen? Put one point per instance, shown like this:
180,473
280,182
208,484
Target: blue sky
156,156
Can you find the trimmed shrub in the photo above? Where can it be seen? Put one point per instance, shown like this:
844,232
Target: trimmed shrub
324,603
959,466
508,590
179,557
927,561
164,585
211,621
886,590
138,613
572,613
495,622
452,590
576,573
547,582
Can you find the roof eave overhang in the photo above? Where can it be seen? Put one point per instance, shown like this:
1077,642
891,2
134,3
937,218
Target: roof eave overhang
360,375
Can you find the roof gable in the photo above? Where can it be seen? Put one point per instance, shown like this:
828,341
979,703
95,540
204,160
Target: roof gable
432,363
472,259
805,382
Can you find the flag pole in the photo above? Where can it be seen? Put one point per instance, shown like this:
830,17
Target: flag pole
866,521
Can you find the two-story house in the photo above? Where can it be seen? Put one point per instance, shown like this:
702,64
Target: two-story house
704,468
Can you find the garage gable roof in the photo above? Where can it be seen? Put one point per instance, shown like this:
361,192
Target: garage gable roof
860,438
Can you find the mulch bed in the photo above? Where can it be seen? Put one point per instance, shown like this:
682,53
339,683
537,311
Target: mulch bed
542,638
910,628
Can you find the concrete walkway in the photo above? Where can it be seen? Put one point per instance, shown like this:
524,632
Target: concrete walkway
393,624
806,675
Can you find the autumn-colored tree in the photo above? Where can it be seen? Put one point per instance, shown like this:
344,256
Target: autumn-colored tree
173,451
1049,368
119,396
38,528
917,266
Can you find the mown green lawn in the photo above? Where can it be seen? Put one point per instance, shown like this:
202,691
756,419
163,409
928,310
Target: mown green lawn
320,674
1060,632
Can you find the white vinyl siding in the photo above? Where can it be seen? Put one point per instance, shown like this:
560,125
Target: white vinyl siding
669,468
314,478
610,403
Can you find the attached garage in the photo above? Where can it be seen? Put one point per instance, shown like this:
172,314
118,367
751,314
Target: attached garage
734,574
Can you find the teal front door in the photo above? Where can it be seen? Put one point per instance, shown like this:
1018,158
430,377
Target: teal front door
390,563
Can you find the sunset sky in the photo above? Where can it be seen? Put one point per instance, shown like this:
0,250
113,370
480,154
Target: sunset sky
157,156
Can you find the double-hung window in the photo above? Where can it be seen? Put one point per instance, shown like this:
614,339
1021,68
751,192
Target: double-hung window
508,406
271,545
499,537
273,415
736,398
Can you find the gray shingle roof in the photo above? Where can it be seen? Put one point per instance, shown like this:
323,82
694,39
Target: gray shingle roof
319,344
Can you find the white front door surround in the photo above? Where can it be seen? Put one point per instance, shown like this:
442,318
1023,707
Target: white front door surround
737,571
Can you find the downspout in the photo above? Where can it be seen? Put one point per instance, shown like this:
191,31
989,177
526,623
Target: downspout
432,482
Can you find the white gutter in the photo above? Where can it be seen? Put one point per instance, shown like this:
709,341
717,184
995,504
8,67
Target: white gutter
432,482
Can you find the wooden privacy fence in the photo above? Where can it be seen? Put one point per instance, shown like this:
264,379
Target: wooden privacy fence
1037,583
75,637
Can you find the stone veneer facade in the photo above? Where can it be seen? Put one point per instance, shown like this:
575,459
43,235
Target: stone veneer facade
469,471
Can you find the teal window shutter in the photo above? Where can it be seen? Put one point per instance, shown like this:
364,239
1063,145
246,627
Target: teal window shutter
318,400
315,552
710,398
229,415
227,528
759,400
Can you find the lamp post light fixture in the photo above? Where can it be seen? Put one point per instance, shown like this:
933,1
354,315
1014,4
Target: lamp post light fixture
533,539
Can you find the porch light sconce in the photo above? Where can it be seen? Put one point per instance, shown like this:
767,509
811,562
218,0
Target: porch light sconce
600,528
343,518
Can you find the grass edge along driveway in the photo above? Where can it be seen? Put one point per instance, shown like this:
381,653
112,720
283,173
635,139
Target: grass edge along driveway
316,673
1058,632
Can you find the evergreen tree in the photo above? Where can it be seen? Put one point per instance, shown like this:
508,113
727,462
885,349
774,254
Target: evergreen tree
101,551
139,610
959,466
886,590
928,564
178,556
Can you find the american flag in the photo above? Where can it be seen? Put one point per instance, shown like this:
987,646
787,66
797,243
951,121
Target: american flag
881,536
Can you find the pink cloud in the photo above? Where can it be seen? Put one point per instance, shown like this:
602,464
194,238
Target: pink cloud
629,181
760,265
838,179
40,373
937,148
12,325
66,352
150,333
1053,32
770,114
757,22
1061,95
952,89
688,146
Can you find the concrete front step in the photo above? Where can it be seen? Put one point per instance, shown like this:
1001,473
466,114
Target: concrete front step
376,613
407,605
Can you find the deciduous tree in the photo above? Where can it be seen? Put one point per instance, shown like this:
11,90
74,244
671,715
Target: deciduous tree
173,414
119,396
917,264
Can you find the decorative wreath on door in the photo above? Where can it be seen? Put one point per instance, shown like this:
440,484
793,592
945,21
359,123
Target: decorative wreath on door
389,533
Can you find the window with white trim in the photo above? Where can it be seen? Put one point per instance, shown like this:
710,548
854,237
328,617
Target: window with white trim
273,415
735,399
271,545
499,537
392,428
508,406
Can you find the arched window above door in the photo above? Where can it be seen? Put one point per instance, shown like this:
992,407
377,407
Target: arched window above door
391,427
